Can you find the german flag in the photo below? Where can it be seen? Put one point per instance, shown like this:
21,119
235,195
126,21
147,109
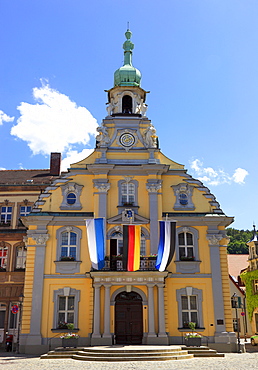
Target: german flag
131,247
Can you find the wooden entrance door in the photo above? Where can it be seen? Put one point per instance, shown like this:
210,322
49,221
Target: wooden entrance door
128,318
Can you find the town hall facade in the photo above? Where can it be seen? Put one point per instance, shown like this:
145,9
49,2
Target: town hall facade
126,180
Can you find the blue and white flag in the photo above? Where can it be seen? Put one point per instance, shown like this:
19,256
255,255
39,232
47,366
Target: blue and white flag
96,242
167,242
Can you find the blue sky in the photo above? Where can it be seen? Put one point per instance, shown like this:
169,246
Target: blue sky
198,58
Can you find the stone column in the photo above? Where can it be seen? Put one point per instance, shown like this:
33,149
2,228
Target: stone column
151,318
107,334
41,238
102,186
217,290
96,316
153,187
161,311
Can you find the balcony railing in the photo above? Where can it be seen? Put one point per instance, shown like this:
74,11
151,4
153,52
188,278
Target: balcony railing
116,264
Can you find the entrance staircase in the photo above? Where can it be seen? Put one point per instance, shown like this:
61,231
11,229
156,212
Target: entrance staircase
131,353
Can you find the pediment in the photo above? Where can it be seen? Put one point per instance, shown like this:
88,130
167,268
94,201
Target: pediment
118,219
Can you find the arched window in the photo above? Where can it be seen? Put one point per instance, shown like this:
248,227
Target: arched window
68,245
128,193
186,246
3,256
21,253
143,245
116,244
127,104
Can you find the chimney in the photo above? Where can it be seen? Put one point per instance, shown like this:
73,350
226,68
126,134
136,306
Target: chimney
55,164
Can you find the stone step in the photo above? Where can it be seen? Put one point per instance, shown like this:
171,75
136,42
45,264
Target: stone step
203,352
56,355
130,354
131,358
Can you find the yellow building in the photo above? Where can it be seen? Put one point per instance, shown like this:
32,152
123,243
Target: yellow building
126,180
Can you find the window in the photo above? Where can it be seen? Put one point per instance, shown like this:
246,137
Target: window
189,302
183,199
183,193
25,210
71,198
68,246
66,302
186,248
71,193
21,253
255,286
116,244
65,310
127,104
6,215
189,310
2,314
143,245
128,193
3,257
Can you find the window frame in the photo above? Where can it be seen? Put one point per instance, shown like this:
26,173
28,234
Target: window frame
120,193
23,257
71,187
66,292
4,246
190,291
68,229
195,235
4,223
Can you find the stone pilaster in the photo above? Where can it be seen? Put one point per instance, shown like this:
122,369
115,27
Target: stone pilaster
153,186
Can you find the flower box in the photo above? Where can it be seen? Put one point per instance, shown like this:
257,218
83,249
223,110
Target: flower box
193,342
69,342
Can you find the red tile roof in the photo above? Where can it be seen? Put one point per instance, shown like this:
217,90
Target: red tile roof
236,263
21,177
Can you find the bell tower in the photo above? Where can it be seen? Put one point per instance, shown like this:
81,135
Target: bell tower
127,97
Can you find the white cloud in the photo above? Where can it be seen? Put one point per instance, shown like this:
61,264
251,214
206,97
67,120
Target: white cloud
216,177
53,123
5,118
2,169
239,175
73,156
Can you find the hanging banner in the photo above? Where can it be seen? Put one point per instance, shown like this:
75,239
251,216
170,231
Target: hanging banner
96,242
131,247
167,243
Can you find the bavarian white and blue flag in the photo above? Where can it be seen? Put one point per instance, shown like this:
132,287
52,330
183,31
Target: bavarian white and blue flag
96,242
167,243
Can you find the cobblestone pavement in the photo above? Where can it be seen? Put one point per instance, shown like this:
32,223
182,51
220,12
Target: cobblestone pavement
230,361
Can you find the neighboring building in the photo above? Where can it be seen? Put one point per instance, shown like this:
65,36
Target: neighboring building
236,264
250,279
126,180
19,189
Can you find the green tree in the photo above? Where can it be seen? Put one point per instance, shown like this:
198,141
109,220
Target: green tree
238,240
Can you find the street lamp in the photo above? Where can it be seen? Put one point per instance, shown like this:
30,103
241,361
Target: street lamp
235,300
21,297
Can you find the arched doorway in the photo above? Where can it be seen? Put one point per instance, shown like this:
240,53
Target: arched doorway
128,318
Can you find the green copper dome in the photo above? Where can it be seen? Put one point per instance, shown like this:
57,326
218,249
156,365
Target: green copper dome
127,75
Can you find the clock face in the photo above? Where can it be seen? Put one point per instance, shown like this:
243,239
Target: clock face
127,139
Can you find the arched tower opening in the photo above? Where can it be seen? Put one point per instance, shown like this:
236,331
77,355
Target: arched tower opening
127,104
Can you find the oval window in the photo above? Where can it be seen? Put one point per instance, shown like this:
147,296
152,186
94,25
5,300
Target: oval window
71,198
183,199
